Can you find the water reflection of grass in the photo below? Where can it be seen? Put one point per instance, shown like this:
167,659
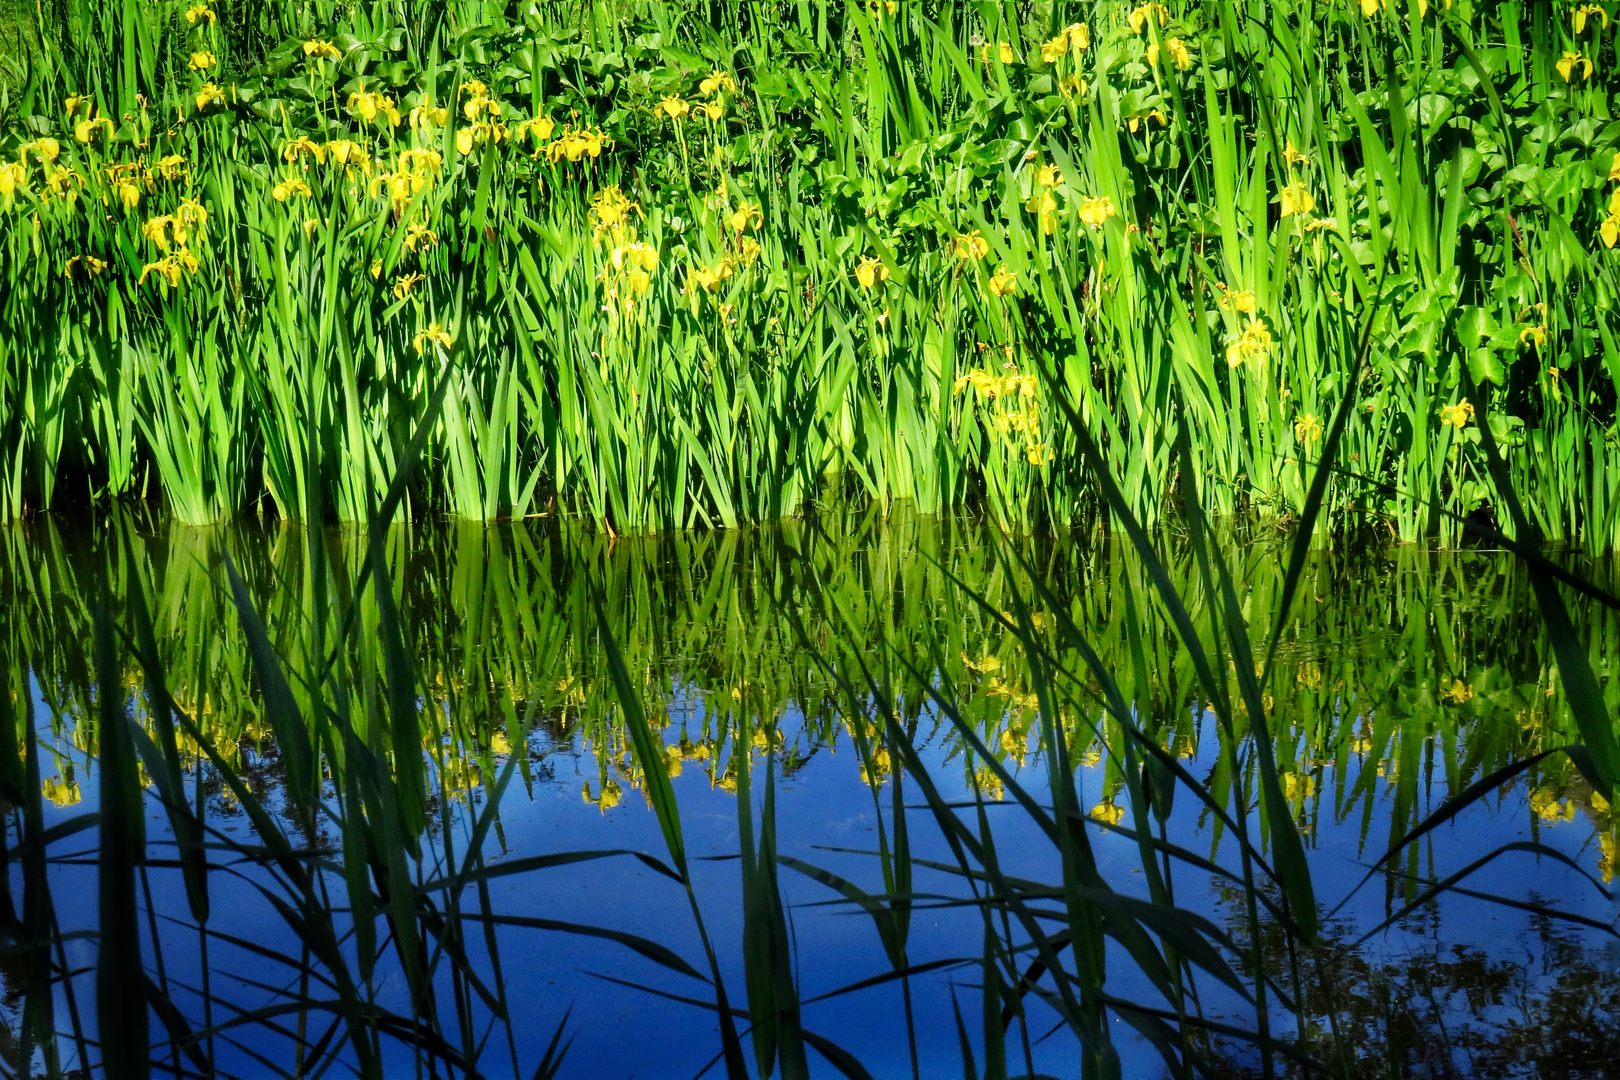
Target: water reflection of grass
1422,665
746,655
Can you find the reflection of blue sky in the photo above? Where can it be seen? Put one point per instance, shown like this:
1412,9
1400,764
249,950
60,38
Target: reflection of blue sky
824,806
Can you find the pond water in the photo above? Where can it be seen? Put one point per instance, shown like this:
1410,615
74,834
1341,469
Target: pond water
1403,675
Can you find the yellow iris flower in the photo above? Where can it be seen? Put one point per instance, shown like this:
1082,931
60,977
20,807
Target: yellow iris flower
170,268
420,237
870,272
433,335
971,246
1296,199
289,188
1609,231
710,277
1252,346
86,129
539,128
45,148
717,81
208,95
292,151
1457,416
1044,206
1004,53
12,177
1569,62
1138,18
1095,211
1585,10
92,266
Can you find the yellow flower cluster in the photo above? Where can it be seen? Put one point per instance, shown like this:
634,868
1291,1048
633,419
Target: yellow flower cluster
189,219
419,237
989,386
538,128
574,145
1044,203
987,782
1457,416
1296,198
351,155
369,106
971,246
1002,283
1297,787
91,265
713,106
435,334
58,181
610,797
1177,50
1609,230
1250,347
1139,16
60,792
1108,812
1015,416
1075,37
483,114
171,267
1229,299
173,235
631,262
415,171
1095,211
1004,53
709,278
881,765
1550,808
611,211
209,94
871,272
86,127
290,188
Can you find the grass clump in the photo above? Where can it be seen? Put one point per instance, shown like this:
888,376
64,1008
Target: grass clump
691,265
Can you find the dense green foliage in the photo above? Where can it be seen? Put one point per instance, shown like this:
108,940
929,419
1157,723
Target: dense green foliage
687,264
